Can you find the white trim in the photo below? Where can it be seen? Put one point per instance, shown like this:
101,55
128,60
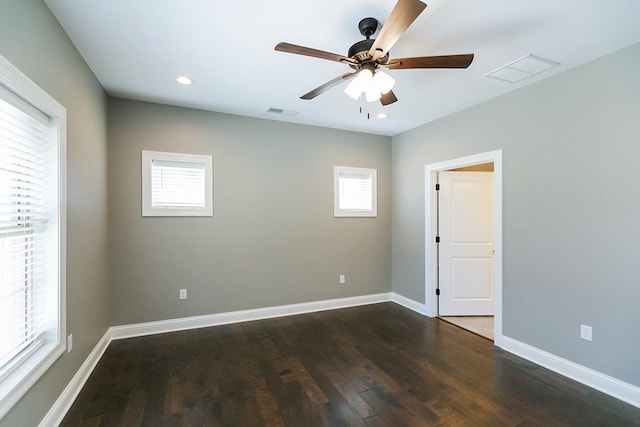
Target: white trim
147,158
171,325
612,386
61,406
431,262
59,409
28,373
418,307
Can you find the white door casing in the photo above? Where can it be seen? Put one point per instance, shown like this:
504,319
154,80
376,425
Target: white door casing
466,243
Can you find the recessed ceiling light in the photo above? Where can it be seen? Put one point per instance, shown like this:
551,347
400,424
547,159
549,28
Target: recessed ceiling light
382,115
184,80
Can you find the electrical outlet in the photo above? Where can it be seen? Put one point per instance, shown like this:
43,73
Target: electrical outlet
69,343
183,294
586,333
342,279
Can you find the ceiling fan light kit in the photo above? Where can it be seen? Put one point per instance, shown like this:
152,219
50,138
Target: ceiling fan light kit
383,82
367,57
373,84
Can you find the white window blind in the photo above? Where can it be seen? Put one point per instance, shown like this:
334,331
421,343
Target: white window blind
177,184
23,230
355,192
32,233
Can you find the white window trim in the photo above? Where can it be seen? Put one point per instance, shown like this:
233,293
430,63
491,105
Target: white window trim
24,375
148,210
365,173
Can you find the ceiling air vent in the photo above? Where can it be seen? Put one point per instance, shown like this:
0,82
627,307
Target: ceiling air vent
522,68
282,112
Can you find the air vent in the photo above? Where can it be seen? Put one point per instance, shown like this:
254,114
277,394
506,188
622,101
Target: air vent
522,68
282,112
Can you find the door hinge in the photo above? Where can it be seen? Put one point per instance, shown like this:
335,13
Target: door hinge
437,239
438,291
437,187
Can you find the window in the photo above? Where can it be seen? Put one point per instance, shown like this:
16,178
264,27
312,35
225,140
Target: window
32,236
354,192
176,184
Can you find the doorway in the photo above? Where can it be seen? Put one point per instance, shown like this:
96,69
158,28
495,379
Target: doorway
471,261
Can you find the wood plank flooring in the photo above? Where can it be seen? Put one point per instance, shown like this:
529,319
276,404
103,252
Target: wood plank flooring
375,365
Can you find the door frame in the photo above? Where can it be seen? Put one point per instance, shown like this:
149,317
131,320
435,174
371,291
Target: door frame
431,227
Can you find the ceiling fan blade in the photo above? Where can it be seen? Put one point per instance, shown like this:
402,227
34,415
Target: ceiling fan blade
445,61
328,85
315,53
388,98
401,17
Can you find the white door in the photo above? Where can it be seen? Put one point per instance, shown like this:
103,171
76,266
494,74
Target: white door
465,212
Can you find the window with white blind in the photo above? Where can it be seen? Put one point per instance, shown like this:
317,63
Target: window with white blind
175,184
32,249
355,192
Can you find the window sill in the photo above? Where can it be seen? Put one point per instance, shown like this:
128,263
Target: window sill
25,374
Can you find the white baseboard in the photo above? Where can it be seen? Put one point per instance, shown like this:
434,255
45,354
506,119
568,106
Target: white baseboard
171,325
68,396
612,386
599,381
418,307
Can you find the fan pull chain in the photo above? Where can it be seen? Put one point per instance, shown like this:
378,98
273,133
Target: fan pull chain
363,106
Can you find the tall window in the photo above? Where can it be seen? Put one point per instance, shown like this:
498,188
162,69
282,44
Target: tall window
175,184
32,325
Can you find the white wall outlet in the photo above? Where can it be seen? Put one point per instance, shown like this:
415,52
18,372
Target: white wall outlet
586,333
183,294
69,343
342,279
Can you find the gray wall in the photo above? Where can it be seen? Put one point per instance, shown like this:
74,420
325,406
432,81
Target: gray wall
272,240
570,208
571,205
32,40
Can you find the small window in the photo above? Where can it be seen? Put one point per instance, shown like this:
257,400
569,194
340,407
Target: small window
354,192
176,184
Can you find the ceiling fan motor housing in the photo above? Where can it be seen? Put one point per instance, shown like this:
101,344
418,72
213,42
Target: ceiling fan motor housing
360,50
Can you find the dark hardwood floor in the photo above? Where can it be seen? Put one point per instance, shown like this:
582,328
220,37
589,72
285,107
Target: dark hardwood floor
376,365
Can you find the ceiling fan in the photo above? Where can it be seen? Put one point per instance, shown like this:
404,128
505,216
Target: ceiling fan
368,57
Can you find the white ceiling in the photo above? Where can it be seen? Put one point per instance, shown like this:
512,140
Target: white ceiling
137,48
